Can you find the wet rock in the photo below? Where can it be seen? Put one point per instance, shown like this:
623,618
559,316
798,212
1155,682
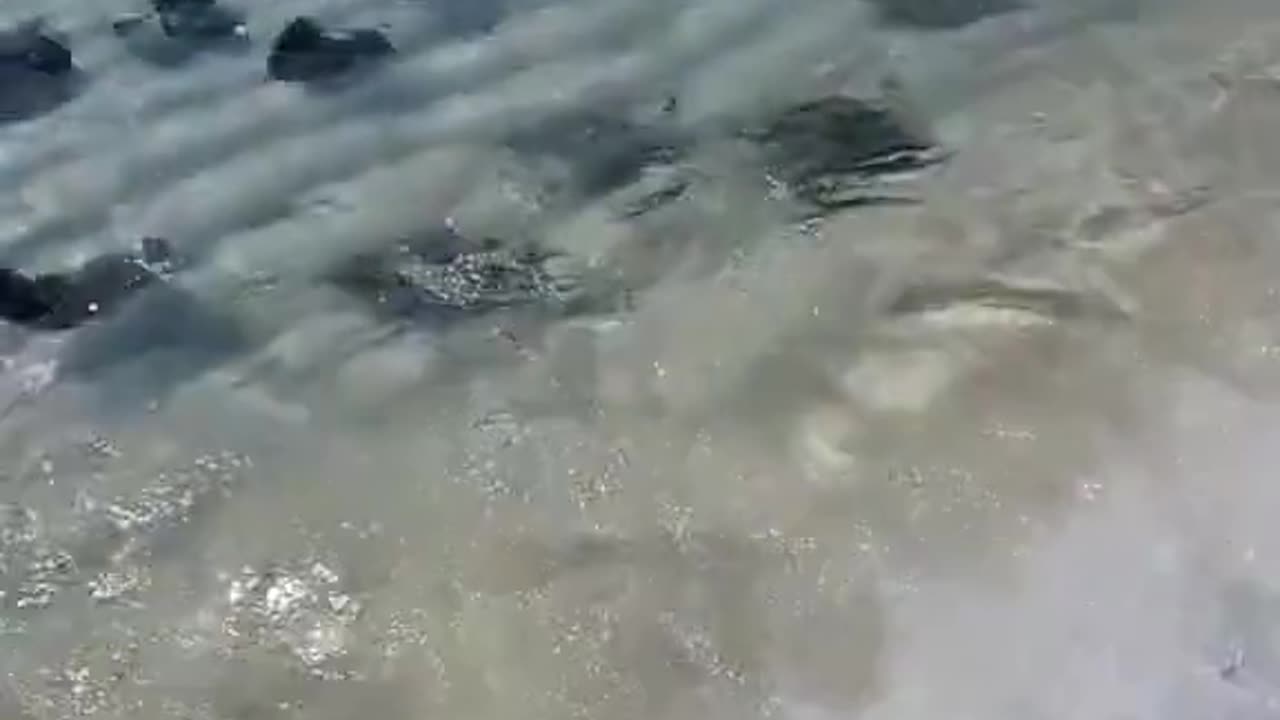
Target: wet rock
176,30
29,48
836,151
604,152
137,335
23,299
199,19
445,277
941,14
37,72
59,301
306,52
56,301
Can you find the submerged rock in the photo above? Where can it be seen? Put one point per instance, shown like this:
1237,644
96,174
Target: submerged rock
28,48
445,277
199,20
834,151
175,30
60,301
306,52
37,72
941,14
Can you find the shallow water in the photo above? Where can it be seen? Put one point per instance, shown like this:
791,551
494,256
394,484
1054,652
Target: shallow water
1000,451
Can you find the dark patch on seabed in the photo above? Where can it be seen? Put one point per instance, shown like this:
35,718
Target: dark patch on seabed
941,14
835,152
468,17
832,153
605,151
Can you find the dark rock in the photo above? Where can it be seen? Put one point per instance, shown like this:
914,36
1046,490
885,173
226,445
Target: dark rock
445,277
25,300
176,30
30,49
306,52
200,20
606,152
135,336
831,152
37,72
941,14
60,301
